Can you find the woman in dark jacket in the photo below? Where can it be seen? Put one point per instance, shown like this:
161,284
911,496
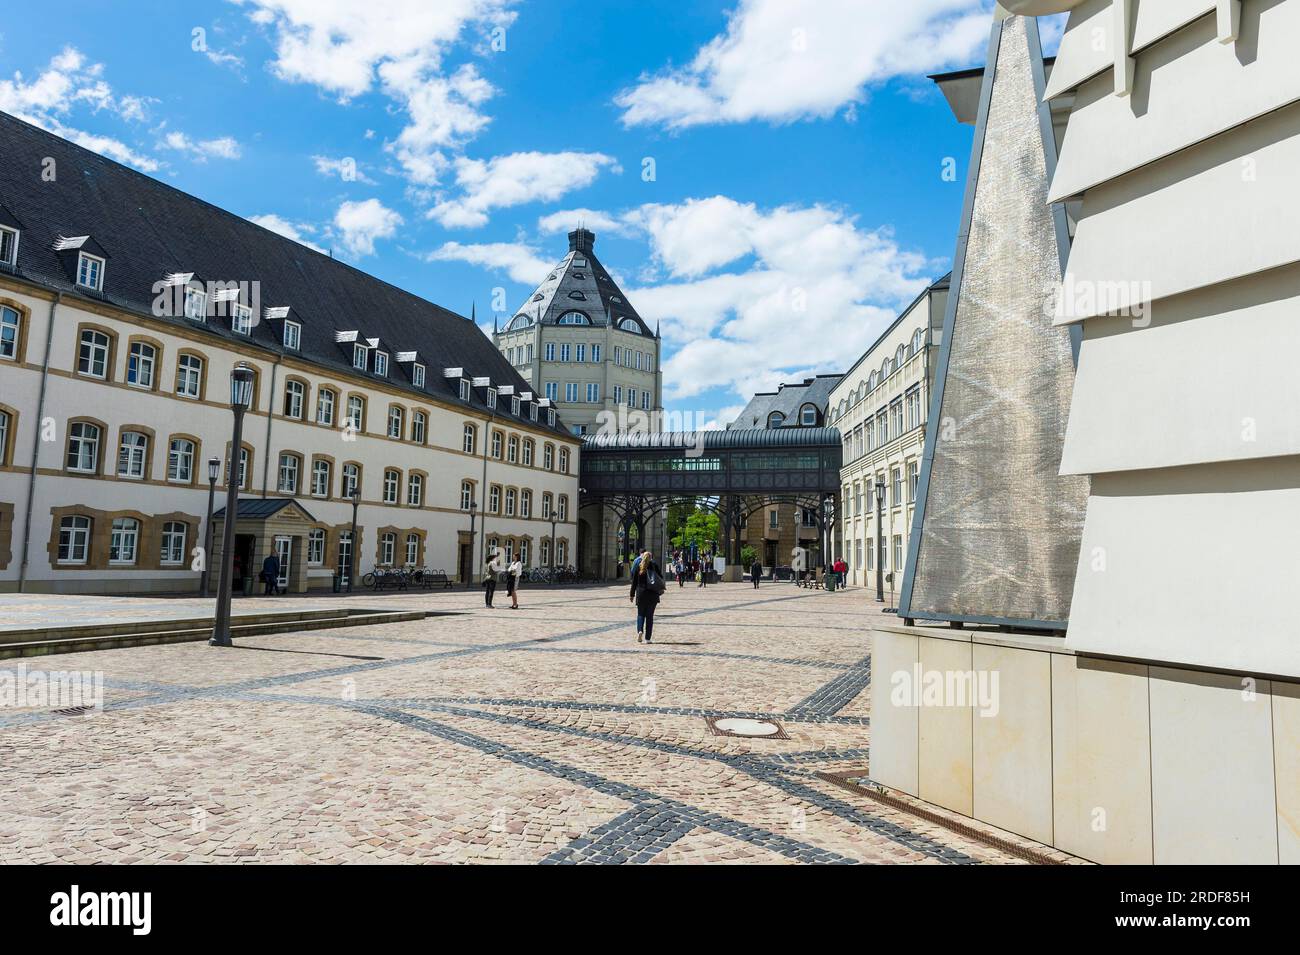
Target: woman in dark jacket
645,596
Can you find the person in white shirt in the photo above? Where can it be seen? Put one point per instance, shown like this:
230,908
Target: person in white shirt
493,567
512,582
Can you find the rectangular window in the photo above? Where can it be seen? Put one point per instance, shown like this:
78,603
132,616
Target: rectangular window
325,407
570,391
514,405
492,398
417,375
359,357
241,319
618,354
196,304
381,363
898,552
92,358
593,392
631,397
412,549
124,541
74,540
418,427
549,352
316,546
618,394
173,543
564,352
553,390
645,401
896,487
180,461
131,455
595,352
292,335
8,247
911,481
320,478
288,483
90,271
580,353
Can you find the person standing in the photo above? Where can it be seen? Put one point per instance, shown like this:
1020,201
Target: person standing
755,572
647,588
271,575
679,567
493,567
513,574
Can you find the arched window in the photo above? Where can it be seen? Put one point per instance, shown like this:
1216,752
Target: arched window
518,322
326,400
320,478
414,490
512,449
357,413
900,356
180,461
528,452
548,456
172,549
564,460
629,325
573,318
83,447
94,353
775,419
189,376
387,548
141,364
294,394
510,502
808,416
290,467
392,481
10,330
562,507
466,494
469,440
74,540
133,455
419,425
918,340
351,479
396,421
525,504
124,542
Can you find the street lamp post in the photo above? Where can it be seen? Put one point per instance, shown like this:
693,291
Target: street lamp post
469,568
352,541
214,472
552,540
880,541
241,397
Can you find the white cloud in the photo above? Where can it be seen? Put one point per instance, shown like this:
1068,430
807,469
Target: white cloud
345,167
759,296
345,48
780,61
70,81
599,222
290,230
514,179
359,224
223,147
520,262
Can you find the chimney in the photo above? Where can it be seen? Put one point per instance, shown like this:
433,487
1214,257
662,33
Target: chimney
581,240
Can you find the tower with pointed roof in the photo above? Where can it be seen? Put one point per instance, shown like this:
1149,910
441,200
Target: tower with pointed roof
584,348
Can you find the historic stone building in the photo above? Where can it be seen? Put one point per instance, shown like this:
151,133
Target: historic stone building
880,408
581,345
779,527
125,305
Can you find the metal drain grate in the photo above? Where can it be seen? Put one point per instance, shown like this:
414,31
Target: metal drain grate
75,711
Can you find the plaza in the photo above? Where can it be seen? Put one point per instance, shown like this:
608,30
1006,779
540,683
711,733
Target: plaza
543,735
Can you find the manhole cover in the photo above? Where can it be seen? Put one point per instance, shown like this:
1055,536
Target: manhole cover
745,727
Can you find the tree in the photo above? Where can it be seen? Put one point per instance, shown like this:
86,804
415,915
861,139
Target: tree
747,556
700,529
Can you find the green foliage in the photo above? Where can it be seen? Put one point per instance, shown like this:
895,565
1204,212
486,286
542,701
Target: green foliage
700,528
747,556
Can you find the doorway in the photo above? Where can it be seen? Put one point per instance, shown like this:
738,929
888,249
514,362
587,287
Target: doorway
284,554
464,563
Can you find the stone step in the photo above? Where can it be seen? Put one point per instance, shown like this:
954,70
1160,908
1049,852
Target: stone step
81,639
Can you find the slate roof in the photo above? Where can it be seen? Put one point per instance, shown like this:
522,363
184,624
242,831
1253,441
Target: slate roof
247,507
788,399
579,283
148,230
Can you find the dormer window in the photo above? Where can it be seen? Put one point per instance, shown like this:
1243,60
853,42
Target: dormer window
196,304
628,325
417,375
381,363
532,410
241,319
514,406
292,335
579,263
359,357
464,389
492,398
8,246
90,271
550,417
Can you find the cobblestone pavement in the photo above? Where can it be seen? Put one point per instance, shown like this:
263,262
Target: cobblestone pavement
539,735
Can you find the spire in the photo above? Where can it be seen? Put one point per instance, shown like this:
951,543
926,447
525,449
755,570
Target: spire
473,312
581,240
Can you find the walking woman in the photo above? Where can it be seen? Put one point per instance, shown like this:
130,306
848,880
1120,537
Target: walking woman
512,582
493,567
647,588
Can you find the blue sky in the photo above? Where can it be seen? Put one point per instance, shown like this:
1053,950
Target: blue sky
796,202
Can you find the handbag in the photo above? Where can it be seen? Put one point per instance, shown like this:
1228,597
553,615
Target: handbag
656,581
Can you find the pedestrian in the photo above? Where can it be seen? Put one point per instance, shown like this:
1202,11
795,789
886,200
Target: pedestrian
679,567
493,567
513,574
271,575
755,572
704,571
647,588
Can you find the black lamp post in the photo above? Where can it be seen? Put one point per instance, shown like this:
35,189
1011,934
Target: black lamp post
552,539
241,398
352,541
469,568
214,472
880,541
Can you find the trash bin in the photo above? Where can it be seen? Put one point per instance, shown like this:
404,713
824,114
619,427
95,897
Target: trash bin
830,580
338,584
248,586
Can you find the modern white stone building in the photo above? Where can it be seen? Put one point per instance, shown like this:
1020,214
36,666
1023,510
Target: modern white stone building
879,407
581,346
124,306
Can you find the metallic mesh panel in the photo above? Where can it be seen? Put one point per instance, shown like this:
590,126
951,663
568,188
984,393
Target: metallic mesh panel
1000,531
